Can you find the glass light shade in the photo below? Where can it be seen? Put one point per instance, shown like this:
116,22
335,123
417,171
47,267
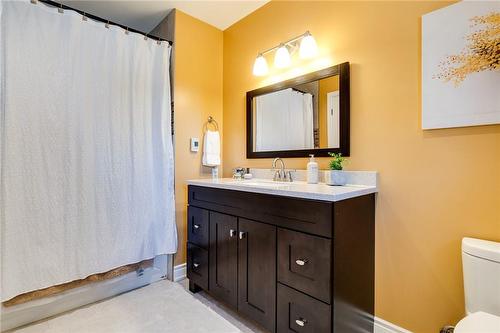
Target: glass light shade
308,47
260,66
282,58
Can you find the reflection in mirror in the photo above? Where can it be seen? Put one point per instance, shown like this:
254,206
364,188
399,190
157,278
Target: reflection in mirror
305,116
308,114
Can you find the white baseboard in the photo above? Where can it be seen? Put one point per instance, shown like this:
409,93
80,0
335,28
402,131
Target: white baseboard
180,272
383,326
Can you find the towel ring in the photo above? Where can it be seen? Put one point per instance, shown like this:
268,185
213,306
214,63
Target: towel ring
211,121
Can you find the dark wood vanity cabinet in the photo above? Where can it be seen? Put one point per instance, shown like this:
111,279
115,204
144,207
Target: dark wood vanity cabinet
257,272
223,265
241,273
289,264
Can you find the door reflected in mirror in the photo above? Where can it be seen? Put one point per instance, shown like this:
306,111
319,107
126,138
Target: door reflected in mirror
300,116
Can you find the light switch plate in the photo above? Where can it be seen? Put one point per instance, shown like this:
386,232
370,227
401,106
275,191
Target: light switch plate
195,144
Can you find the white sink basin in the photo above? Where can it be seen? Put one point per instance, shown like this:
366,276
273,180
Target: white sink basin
259,183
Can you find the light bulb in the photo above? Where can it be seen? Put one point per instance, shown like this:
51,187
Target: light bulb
308,47
282,57
260,66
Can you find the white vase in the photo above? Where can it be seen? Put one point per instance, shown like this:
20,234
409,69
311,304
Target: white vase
335,177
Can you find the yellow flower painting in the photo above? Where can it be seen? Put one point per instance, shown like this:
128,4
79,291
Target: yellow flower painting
461,65
482,52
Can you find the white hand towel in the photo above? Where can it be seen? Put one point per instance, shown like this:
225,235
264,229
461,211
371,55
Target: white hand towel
211,149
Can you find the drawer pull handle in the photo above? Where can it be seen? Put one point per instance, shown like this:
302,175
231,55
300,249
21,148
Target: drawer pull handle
301,262
196,226
232,233
301,322
242,234
196,265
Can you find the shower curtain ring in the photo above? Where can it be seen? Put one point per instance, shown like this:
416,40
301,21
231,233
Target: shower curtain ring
34,2
146,37
107,25
158,41
126,31
60,9
84,18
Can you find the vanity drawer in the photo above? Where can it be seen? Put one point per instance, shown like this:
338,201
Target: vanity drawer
311,216
197,265
304,263
197,225
300,313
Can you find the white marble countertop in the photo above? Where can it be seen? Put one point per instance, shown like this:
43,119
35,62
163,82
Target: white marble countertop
296,189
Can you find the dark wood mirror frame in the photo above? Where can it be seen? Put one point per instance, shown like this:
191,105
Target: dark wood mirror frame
344,86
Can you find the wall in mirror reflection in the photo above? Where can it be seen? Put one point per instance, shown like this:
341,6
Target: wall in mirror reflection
305,116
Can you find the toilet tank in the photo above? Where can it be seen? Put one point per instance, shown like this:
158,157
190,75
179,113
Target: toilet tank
481,269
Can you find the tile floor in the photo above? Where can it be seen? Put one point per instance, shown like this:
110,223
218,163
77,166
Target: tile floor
136,311
143,311
230,315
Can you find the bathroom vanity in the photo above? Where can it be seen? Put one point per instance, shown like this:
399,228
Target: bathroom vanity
292,257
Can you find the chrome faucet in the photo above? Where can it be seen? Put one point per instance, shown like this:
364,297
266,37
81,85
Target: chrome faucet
281,175
278,174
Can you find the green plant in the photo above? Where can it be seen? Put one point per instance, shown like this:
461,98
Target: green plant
336,161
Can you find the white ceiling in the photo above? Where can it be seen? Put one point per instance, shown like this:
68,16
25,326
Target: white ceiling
144,15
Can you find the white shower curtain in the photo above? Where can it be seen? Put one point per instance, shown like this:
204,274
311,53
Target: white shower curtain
284,121
87,157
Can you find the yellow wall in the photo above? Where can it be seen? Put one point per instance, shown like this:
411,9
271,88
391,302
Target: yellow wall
435,186
325,86
197,94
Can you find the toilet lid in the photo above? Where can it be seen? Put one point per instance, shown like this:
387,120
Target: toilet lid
479,322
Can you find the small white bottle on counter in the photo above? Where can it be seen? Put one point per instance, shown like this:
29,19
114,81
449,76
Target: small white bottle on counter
312,171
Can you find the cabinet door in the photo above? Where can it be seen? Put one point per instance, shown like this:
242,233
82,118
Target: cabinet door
197,266
304,263
257,272
299,313
198,226
223,267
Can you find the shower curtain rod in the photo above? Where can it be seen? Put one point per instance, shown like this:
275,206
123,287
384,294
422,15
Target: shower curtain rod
100,19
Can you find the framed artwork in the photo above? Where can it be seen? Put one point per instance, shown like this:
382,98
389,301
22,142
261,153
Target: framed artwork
461,65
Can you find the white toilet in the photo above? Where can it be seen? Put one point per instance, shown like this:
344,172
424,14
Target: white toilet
481,266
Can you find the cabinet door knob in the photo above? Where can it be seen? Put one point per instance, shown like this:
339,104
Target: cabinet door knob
301,322
232,233
301,262
242,234
196,226
196,265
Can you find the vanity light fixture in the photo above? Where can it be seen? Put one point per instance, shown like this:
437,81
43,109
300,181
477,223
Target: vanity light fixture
260,66
282,57
307,49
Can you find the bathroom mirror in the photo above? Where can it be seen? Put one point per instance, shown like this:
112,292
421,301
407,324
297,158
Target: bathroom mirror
301,116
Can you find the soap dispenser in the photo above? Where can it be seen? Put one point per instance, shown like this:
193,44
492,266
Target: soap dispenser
312,171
